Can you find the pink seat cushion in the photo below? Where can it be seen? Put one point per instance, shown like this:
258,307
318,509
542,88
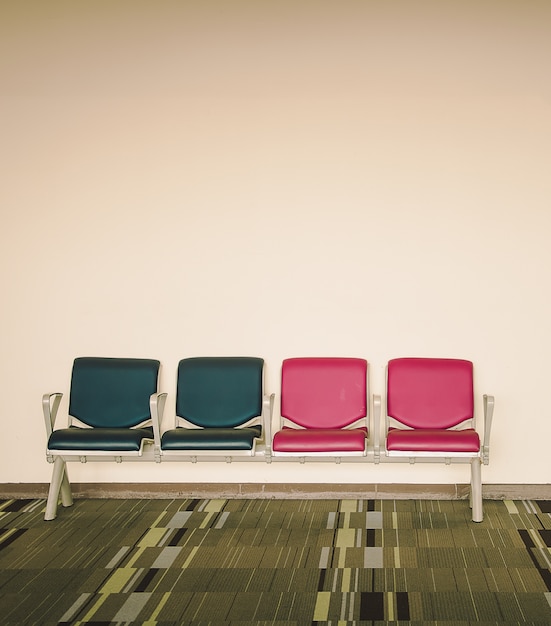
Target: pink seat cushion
324,392
429,440
320,440
430,393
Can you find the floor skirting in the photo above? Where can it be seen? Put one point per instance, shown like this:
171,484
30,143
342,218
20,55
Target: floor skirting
320,491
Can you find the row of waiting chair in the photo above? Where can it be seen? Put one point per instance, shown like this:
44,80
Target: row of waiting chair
222,412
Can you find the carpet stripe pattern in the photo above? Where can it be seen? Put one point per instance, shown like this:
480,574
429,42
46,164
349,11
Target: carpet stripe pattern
275,562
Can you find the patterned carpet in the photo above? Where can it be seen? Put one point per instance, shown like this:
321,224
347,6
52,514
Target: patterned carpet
275,562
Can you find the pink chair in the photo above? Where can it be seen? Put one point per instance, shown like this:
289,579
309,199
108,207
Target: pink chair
430,416
323,408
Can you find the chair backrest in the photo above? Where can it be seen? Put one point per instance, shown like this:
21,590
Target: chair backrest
219,392
430,393
324,392
111,392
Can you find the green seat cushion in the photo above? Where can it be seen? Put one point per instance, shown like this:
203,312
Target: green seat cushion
112,392
96,439
210,438
219,392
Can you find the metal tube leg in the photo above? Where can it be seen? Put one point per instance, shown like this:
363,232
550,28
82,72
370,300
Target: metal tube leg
476,490
55,485
66,495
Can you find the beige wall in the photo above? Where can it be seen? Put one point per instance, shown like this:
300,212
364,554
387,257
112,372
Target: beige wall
276,179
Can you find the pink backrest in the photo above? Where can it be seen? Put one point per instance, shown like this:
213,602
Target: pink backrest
430,393
324,392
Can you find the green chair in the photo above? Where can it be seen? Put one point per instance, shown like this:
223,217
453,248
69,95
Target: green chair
221,409
110,412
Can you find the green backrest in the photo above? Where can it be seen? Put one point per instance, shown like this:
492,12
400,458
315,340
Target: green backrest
112,393
219,392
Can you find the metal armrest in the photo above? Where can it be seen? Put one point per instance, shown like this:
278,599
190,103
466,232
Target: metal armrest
50,406
157,403
267,416
376,428
488,416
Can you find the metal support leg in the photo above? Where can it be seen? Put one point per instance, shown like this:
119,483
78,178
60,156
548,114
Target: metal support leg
476,490
55,485
66,495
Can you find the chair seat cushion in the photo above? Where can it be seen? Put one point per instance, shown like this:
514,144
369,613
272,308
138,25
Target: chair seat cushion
211,438
99,439
320,440
429,440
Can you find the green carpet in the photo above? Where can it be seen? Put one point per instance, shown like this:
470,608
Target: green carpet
275,562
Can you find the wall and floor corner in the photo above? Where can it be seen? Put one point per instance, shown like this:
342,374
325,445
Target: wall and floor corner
277,179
